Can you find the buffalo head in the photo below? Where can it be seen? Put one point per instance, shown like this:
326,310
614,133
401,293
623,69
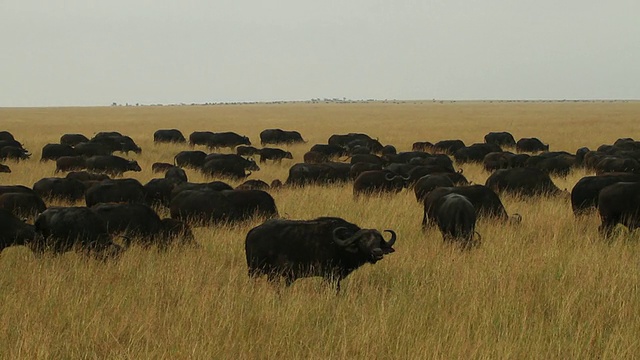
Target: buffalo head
133,166
368,242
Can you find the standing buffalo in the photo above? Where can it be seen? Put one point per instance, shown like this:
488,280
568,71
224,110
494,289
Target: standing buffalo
474,152
169,135
523,181
378,181
14,231
245,150
226,139
278,136
73,228
427,183
584,194
619,204
227,167
193,159
500,138
70,163
73,139
421,146
455,216
111,164
448,146
328,247
274,154
531,145
315,157
14,153
22,204
55,151
330,150
208,206
68,189
118,190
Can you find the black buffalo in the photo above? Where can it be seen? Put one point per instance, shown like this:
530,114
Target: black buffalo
421,146
497,160
328,247
617,164
326,173
378,181
245,150
192,159
111,164
115,190
448,146
55,151
4,169
14,153
455,216
158,191
140,224
210,186
6,136
161,167
89,149
484,200
359,168
474,152
278,136
619,204
86,176
73,139
531,145
73,228
427,183
14,231
315,157
584,194
274,154
206,207
115,141
253,184
225,167
15,189
68,189
22,204
226,140
329,150
70,163
522,181
500,138
169,135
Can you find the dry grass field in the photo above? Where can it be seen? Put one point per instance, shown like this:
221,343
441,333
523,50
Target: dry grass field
547,288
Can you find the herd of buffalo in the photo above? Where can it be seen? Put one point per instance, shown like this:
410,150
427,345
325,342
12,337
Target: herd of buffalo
123,208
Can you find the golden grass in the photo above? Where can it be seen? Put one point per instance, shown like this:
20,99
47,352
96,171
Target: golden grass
549,288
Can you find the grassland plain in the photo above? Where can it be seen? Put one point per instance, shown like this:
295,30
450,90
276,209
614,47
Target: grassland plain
548,288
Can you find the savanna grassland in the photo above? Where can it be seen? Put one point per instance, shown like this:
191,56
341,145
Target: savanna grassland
547,288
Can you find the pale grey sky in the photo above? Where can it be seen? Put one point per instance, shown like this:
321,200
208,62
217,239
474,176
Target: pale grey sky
79,52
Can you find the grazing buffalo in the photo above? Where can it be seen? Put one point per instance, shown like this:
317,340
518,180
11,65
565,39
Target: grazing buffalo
248,164
378,181
278,136
274,154
497,160
111,164
247,150
14,231
421,146
406,157
559,165
70,163
226,140
619,204
522,181
115,141
6,136
158,191
328,247
253,185
315,157
89,149
116,190
176,175
22,204
500,138
199,137
225,167
531,145
474,152
140,224
73,228
580,154
329,150
359,168
161,167
168,135
427,183
584,194
617,164
15,189
55,151
14,153
192,159
4,169
484,200
73,139
448,146
210,186
367,158
205,207
351,140
455,216
304,174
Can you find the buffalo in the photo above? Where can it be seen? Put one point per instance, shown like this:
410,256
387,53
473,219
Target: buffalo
55,151
111,164
278,136
585,192
531,145
193,159
68,189
522,181
328,247
161,167
245,150
73,139
425,184
455,216
14,231
14,153
421,146
448,146
500,138
378,181
206,206
116,190
70,163
619,204
474,152
274,154
4,169
22,204
168,135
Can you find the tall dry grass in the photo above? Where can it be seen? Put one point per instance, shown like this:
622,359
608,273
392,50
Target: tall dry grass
549,288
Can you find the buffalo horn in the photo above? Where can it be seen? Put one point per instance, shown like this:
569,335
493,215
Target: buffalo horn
393,237
390,177
343,242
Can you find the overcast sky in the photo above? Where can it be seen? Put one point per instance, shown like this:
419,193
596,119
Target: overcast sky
80,52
